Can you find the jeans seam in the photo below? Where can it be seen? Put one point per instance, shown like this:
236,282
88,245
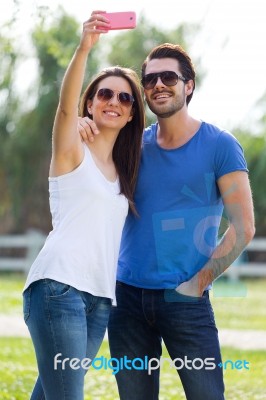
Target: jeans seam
211,313
27,299
150,321
90,309
47,300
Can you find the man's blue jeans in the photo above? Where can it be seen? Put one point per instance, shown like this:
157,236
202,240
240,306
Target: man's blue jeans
142,318
67,327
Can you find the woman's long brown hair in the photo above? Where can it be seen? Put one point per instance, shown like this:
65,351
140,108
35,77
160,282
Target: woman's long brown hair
127,148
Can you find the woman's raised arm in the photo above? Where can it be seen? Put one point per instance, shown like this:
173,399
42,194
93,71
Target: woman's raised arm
67,150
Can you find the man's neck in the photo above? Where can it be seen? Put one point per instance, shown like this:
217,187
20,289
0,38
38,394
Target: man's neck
177,130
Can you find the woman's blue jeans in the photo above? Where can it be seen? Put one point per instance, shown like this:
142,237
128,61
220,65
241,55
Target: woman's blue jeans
67,328
137,326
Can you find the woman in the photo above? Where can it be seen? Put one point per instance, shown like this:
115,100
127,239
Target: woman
71,285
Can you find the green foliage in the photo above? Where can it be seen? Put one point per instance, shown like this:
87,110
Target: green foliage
25,132
55,39
25,152
9,105
55,44
28,150
255,152
130,49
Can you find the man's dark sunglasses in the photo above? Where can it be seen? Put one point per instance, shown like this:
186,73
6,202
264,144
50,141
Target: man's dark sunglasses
168,78
124,98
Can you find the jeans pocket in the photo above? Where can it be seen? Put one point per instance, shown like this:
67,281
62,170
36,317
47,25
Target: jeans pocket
172,296
57,289
26,303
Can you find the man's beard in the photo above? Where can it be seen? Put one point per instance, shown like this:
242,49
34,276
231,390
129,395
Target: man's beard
166,111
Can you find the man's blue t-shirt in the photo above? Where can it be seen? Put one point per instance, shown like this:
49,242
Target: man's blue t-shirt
179,206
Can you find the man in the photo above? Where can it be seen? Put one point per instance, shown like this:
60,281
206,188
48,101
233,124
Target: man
170,255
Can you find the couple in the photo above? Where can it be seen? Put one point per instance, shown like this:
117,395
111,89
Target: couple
176,185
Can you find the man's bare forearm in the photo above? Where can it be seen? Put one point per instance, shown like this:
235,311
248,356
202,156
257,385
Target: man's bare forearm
229,249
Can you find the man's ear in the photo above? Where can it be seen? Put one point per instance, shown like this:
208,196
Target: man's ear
189,87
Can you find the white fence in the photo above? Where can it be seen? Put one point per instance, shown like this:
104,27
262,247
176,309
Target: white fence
243,267
29,245
21,249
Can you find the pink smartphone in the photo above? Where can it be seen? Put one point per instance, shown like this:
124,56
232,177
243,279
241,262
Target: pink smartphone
121,20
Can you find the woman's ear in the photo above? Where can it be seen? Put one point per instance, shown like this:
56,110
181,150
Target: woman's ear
131,115
89,107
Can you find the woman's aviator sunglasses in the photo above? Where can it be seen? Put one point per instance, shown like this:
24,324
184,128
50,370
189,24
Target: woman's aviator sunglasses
168,78
124,98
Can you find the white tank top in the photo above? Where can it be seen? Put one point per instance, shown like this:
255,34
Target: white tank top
88,216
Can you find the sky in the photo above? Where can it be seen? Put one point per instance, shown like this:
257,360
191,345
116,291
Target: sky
230,44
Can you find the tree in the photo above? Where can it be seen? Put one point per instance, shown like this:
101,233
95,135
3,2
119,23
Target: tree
130,48
9,111
54,41
255,150
26,158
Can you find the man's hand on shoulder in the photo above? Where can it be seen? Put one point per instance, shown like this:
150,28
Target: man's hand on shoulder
87,129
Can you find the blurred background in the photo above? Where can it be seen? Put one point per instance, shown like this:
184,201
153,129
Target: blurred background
37,40
226,41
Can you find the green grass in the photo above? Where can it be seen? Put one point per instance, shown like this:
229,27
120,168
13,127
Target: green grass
11,286
237,306
232,312
18,374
